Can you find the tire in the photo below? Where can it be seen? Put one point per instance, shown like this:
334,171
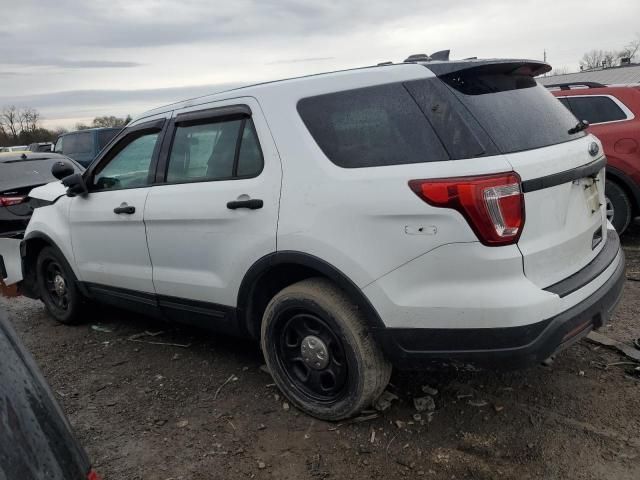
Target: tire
58,287
344,377
619,209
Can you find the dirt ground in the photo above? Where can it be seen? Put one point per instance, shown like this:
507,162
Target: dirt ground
207,411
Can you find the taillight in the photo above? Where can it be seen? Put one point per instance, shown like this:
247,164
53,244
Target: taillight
493,205
11,200
93,475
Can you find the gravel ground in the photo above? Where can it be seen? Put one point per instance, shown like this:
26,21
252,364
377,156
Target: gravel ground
203,409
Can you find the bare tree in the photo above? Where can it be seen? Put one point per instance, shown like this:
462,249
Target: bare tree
10,121
631,49
29,119
110,121
598,59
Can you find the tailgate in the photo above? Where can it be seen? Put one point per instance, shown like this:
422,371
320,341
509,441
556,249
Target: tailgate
10,261
566,225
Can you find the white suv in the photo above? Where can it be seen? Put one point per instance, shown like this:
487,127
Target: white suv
350,221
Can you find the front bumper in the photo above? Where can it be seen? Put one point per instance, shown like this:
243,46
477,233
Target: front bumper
508,347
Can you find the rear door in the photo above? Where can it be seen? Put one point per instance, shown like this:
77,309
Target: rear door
562,170
214,210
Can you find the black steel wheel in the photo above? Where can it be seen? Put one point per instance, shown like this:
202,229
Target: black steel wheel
311,355
58,287
320,352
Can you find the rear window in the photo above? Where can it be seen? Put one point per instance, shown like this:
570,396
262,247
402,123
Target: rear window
28,172
596,109
105,136
516,112
371,127
78,143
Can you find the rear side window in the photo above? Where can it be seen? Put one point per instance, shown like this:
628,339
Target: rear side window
78,143
516,112
217,150
596,109
371,127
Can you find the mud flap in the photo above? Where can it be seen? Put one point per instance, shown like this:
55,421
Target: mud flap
10,261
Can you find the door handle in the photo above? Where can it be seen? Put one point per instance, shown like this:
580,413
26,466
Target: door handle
124,208
252,204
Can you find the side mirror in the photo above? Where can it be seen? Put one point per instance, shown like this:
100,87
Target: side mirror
75,185
62,169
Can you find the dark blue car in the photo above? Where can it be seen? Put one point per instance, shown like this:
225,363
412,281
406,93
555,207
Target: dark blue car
84,145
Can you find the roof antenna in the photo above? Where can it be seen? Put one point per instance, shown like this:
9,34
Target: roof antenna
442,55
417,57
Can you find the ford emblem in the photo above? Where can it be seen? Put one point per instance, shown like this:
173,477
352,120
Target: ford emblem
593,149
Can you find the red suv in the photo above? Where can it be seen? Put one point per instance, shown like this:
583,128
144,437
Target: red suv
613,114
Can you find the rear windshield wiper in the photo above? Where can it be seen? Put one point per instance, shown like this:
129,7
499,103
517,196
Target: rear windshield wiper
582,125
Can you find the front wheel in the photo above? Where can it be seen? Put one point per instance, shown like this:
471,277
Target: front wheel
58,288
320,352
619,210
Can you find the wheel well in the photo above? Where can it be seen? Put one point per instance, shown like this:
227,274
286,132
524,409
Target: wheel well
267,285
277,271
620,182
32,248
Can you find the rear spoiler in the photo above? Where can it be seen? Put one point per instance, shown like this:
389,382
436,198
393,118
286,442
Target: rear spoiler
531,68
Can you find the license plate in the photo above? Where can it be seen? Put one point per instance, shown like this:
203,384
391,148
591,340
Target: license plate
592,194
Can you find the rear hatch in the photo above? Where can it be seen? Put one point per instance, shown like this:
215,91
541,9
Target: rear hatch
562,170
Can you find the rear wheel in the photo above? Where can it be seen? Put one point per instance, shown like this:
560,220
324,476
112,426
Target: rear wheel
58,287
320,352
619,210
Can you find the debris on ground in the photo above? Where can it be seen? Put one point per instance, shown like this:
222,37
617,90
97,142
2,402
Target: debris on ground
262,465
400,424
285,406
429,390
182,423
232,378
478,403
384,401
424,404
363,418
600,339
100,328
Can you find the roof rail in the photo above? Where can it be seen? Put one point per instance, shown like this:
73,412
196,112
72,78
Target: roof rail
567,86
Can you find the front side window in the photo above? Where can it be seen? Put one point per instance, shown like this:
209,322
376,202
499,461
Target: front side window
129,168
217,150
596,109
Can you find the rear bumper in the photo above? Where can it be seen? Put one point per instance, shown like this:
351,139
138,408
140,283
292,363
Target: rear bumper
510,347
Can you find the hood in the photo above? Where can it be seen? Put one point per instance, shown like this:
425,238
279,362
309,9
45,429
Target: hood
49,192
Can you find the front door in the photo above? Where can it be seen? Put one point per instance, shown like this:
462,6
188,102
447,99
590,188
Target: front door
107,228
216,211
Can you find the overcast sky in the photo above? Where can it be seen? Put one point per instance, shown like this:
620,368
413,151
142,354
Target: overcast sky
73,60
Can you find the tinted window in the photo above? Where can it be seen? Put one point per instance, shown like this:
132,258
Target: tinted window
23,173
516,112
78,143
129,168
208,151
105,136
371,127
460,134
596,109
250,159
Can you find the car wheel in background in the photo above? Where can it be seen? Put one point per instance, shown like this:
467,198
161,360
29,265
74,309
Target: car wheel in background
320,352
58,287
618,205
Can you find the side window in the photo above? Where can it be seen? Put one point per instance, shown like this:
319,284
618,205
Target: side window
596,109
565,102
371,127
211,151
79,143
129,168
